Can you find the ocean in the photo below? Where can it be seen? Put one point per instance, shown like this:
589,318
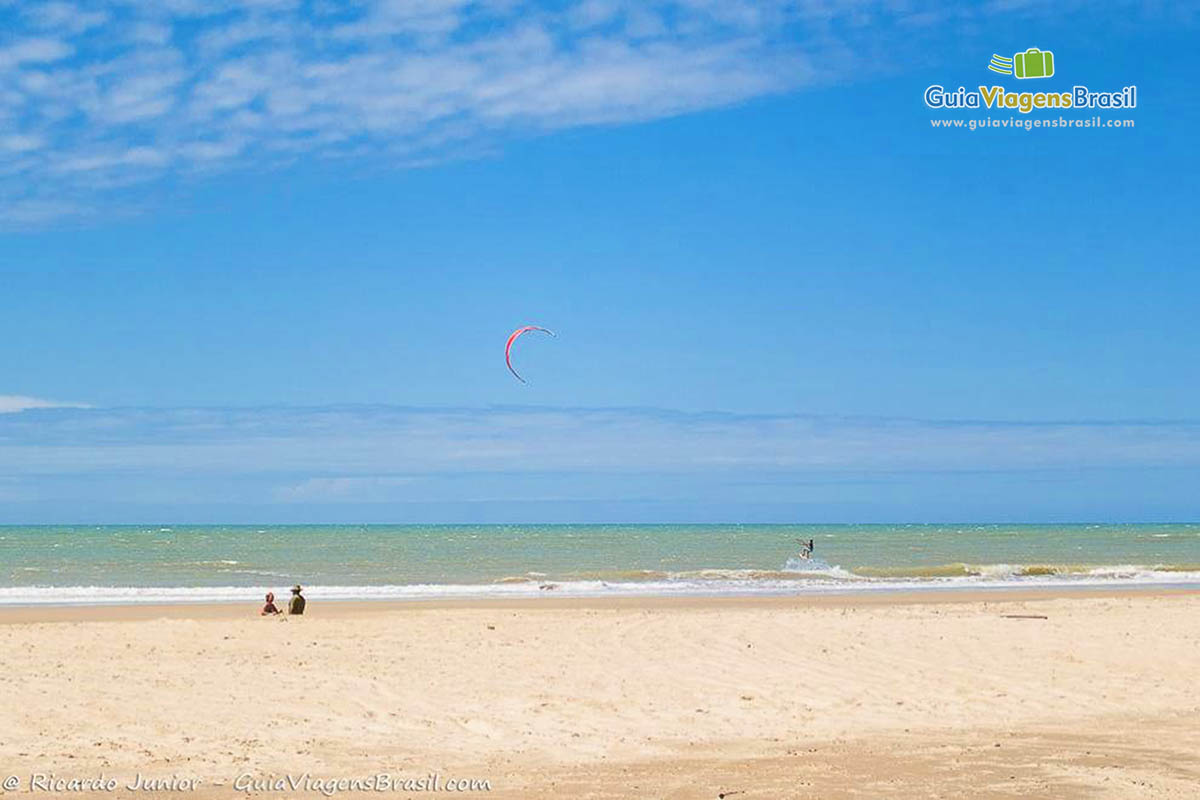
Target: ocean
187,563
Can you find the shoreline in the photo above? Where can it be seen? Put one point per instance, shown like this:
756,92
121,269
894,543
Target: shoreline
131,611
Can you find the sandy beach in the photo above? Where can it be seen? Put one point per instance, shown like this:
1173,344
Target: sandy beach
1006,695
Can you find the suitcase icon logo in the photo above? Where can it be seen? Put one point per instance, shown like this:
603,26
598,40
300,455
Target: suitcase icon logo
1033,63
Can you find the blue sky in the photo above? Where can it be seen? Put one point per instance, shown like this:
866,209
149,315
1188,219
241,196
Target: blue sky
230,228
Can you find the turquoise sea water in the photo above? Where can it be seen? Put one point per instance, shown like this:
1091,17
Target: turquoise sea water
89,564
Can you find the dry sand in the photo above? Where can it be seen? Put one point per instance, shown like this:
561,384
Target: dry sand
764,698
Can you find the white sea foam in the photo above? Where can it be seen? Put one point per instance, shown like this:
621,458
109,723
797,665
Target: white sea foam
819,568
715,585
998,571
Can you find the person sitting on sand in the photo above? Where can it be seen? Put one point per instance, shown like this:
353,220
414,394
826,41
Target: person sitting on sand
270,608
297,603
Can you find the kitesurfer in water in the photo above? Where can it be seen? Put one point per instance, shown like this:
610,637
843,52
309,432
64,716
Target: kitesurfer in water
806,549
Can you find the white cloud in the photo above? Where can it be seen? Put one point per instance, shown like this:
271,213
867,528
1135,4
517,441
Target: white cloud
389,464
18,143
34,50
12,404
342,490
337,444
63,16
131,92
125,92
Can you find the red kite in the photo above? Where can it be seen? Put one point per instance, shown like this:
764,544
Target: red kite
512,338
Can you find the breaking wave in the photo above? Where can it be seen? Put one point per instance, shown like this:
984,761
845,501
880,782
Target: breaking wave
796,577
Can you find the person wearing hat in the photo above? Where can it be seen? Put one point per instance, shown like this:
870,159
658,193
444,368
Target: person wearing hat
296,604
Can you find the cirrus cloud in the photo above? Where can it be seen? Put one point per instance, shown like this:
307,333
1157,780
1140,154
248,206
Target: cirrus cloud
385,463
14,404
102,96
